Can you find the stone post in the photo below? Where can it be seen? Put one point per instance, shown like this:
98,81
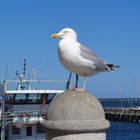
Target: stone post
75,116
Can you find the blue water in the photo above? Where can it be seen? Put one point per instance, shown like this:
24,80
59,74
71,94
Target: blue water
123,131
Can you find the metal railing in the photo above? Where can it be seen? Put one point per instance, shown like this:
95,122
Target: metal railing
28,117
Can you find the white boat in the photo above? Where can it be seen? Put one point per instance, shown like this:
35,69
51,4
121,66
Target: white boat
25,107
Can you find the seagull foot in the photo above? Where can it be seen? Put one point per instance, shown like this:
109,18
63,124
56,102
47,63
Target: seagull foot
79,90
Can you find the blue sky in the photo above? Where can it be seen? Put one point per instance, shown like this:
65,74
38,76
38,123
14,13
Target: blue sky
109,28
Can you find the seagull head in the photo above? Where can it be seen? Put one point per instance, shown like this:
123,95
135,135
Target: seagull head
65,33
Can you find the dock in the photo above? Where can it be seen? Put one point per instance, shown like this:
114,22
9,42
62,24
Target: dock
123,114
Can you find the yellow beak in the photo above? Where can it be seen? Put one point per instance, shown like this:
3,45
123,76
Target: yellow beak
55,36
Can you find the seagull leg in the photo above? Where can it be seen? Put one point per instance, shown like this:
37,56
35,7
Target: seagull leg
79,90
77,78
85,80
68,86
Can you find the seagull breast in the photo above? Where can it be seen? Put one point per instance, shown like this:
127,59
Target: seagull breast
70,56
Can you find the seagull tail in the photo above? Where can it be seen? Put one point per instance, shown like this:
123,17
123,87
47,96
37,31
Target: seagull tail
112,67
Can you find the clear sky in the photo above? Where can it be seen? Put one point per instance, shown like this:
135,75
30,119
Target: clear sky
110,28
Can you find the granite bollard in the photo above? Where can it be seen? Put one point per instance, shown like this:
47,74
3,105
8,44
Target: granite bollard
75,116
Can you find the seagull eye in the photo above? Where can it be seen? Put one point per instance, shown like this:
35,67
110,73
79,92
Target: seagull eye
65,31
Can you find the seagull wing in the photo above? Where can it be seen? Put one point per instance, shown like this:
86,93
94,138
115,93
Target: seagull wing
88,54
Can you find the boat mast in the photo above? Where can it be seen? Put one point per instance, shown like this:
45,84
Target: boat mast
23,83
3,112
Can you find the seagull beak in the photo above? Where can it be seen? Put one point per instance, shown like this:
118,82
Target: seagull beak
55,36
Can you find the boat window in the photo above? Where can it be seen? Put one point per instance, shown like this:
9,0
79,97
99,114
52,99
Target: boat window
20,97
33,98
40,129
29,131
15,130
30,98
50,97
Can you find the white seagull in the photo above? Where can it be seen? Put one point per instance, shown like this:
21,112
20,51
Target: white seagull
77,58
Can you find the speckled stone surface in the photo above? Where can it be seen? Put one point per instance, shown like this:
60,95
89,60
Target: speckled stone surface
75,113
89,136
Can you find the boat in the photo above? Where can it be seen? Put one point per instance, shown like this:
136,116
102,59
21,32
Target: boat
23,107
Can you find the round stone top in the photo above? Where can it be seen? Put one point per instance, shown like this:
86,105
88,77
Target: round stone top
74,111
72,105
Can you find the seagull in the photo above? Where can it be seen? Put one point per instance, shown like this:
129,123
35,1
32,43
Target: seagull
77,58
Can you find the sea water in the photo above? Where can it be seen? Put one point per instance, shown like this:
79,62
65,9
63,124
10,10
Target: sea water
122,130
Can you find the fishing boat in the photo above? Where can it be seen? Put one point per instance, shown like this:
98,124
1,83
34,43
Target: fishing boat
23,107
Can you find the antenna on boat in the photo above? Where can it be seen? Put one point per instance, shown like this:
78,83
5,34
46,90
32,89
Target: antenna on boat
34,74
17,72
6,72
24,68
29,76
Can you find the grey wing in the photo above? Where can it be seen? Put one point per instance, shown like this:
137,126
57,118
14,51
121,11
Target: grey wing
88,54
